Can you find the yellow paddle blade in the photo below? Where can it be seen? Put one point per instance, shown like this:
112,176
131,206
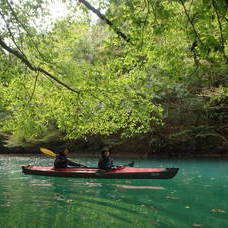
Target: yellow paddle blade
47,152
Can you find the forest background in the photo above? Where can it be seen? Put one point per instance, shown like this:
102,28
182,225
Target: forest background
147,77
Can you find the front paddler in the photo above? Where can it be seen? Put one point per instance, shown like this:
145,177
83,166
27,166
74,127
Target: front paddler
61,160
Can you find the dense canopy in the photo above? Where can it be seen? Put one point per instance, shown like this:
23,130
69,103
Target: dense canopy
134,67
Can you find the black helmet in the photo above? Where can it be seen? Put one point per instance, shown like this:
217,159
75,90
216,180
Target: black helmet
105,149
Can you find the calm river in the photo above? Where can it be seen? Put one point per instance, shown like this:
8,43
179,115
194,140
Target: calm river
196,197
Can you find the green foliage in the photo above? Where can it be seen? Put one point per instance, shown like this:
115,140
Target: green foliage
178,50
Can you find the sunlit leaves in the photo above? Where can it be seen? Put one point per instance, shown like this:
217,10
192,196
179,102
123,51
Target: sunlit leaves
122,86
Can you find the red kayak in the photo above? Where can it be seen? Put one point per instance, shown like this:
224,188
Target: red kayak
118,173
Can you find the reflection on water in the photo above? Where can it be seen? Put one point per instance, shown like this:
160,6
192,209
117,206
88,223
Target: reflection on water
196,197
137,187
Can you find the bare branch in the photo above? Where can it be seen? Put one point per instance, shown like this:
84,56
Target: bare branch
34,88
102,17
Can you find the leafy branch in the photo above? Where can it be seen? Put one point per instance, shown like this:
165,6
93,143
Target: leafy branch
23,26
32,67
191,22
221,31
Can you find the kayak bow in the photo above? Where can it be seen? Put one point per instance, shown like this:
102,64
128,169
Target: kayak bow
119,173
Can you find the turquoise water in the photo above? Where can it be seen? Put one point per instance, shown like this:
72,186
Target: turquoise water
196,197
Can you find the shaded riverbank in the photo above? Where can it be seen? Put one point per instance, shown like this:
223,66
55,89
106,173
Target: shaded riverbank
146,146
36,152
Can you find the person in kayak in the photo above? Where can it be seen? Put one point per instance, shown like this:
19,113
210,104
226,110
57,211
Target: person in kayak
105,162
61,160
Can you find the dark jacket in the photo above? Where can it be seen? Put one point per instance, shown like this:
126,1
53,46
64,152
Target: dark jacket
105,163
61,161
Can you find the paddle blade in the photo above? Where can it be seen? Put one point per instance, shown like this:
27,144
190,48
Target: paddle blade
47,152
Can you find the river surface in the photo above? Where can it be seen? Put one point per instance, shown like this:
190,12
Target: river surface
196,197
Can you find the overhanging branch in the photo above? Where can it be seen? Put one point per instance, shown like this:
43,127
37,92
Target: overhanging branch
33,68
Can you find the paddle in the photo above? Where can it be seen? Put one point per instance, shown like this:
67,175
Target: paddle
52,154
48,152
131,164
